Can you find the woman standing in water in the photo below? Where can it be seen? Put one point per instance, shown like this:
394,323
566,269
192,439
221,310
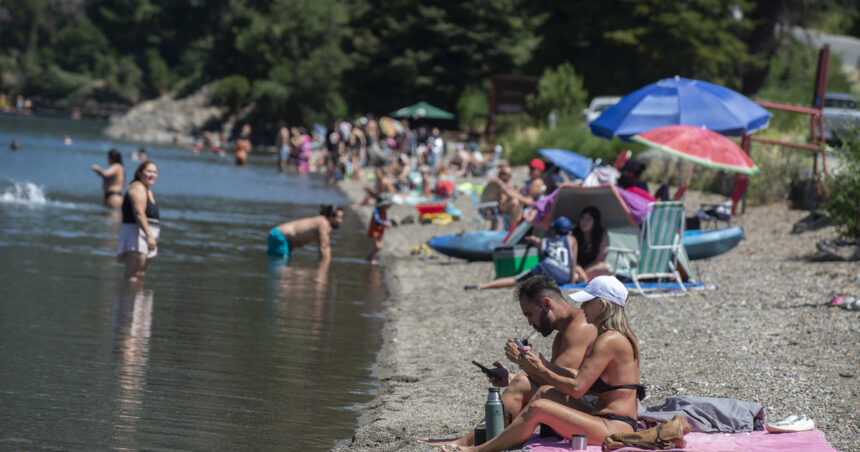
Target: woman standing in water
139,230
113,179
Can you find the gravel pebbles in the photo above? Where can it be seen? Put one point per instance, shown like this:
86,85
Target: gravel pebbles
766,335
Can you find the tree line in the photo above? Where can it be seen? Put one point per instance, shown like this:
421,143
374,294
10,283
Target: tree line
312,60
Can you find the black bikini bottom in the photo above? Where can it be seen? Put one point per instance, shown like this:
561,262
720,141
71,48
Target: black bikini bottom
614,417
108,194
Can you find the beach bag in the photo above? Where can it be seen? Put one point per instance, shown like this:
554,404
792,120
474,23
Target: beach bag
668,435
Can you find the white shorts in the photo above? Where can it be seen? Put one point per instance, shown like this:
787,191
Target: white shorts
132,238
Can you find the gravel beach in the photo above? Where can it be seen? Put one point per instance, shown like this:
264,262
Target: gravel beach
766,335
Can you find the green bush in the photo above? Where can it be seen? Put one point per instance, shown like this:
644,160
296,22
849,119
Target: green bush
844,188
560,91
160,76
473,102
523,143
231,92
55,83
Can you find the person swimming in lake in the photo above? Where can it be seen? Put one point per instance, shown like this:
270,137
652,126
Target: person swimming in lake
113,179
283,239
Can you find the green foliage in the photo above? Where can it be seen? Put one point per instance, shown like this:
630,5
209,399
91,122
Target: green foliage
232,92
56,83
791,79
405,51
618,52
158,73
473,103
79,46
523,143
560,91
844,189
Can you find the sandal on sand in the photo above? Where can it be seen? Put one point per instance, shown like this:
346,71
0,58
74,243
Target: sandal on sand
791,424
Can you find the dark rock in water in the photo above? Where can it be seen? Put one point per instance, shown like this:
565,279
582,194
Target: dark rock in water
837,250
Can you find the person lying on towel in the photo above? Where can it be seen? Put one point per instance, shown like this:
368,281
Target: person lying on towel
558,251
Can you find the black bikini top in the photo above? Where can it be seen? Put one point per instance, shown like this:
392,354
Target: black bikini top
128,210
600,386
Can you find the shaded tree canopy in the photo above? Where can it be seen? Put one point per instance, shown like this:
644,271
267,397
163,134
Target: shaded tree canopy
312,60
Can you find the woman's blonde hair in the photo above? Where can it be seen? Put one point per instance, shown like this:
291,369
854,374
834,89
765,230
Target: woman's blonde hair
614,318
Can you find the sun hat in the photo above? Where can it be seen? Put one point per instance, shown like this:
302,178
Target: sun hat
383,200
606,287
561,225
537,164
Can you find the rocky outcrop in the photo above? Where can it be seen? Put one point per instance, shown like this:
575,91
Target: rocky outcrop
158,120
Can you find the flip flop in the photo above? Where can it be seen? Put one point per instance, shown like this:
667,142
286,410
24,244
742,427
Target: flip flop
791,424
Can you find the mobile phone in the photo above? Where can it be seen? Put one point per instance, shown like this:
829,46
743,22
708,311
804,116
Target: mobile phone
519,343
481,366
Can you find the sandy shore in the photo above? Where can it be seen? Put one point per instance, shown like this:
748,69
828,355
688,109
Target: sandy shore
764,336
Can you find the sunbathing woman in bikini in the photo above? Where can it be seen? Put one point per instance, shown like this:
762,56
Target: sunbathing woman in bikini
610,371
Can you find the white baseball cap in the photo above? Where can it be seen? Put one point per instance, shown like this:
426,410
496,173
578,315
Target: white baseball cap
606,287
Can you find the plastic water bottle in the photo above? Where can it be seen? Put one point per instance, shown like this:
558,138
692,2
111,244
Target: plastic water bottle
495,414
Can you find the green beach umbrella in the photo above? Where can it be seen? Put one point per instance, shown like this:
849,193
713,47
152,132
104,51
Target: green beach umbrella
422,110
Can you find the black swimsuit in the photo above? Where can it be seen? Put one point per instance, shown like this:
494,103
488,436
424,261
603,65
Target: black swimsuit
599,386
128,210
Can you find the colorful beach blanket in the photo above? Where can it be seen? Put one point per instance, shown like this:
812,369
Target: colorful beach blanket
811,440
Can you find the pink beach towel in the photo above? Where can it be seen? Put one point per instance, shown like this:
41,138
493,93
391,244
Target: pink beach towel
811,440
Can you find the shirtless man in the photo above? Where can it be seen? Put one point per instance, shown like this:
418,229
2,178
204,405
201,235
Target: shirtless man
511,202
113,179
382,185
544,306
284,238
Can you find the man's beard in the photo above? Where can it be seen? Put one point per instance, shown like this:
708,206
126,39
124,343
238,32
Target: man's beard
545,327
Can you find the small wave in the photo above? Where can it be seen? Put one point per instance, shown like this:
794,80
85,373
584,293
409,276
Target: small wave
23,193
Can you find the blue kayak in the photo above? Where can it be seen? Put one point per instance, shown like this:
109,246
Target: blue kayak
472,246
702,244
479,245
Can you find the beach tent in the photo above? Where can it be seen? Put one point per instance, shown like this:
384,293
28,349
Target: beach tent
619,220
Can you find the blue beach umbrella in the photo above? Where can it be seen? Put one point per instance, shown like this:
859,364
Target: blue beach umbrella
681,101
573,164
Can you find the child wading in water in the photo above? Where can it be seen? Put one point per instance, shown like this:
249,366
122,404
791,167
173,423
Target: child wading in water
378,223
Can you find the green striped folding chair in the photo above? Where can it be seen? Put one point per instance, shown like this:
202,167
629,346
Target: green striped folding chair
660,246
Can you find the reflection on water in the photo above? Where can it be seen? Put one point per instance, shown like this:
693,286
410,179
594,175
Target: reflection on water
215,351
132,326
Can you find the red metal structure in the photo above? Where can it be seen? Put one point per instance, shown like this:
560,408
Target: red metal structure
817,143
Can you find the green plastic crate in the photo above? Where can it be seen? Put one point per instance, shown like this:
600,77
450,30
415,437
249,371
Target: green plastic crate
515,259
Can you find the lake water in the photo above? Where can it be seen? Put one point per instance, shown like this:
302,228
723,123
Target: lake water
216,351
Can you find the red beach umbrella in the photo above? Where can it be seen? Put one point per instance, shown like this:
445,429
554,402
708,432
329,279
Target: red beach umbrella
701,146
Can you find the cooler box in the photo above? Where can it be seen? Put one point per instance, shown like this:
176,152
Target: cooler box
424,209
514,259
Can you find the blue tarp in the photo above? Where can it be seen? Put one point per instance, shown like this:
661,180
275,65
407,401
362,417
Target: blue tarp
681,101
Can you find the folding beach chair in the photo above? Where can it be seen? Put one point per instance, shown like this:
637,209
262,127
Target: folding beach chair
489,210
659,247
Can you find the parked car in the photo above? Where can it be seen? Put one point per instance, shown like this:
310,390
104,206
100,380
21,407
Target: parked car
841,116
598,105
